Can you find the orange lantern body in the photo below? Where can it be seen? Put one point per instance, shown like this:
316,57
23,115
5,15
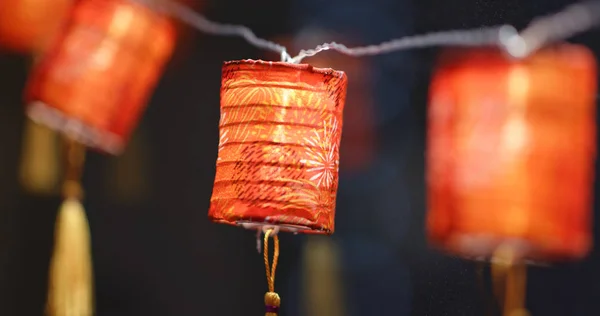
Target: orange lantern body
280,132
511,152
93,84
28,25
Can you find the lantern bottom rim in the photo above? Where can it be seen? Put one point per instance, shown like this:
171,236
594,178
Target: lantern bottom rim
289,228
480,247
277,226
44,114
493,260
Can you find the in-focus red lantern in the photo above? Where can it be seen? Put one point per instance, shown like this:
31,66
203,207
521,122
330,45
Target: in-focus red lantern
93,84
511,153
29,25
280,132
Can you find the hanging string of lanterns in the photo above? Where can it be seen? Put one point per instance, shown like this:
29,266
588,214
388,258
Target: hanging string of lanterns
505,140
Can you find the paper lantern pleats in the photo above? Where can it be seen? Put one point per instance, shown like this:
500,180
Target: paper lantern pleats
278,157
28,26
511,152
94,82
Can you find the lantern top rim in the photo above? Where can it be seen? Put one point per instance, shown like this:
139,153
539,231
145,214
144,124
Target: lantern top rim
280,65
484,54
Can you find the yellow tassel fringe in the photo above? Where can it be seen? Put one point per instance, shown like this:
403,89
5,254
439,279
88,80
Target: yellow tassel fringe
70,287
40,167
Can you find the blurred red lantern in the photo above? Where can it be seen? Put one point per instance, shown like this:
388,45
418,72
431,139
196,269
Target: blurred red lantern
280,132
93,84
28,25
511,153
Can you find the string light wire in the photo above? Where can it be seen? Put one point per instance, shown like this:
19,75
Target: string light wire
574,19
542,31
201,23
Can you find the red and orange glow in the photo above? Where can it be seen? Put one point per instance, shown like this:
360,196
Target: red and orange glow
28,26
94,83
278,158
511,152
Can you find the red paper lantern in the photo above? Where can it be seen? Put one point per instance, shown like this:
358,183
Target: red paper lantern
94,83
280,132
28,25
511,153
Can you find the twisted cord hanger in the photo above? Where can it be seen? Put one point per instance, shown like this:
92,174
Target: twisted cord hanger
542,31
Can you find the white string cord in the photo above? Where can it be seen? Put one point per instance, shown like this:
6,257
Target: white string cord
201,23
476,37
574,19
542,31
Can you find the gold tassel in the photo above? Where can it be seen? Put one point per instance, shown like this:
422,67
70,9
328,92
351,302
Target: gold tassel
272,300
39,169
510,275
129,172
70,292
323,286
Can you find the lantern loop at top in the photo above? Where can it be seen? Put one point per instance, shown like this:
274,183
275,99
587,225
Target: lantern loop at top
278,159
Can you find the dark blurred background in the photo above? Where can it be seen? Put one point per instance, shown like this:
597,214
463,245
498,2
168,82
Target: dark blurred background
156,253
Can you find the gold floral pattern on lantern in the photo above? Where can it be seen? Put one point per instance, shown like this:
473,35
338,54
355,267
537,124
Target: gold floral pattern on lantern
278,157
